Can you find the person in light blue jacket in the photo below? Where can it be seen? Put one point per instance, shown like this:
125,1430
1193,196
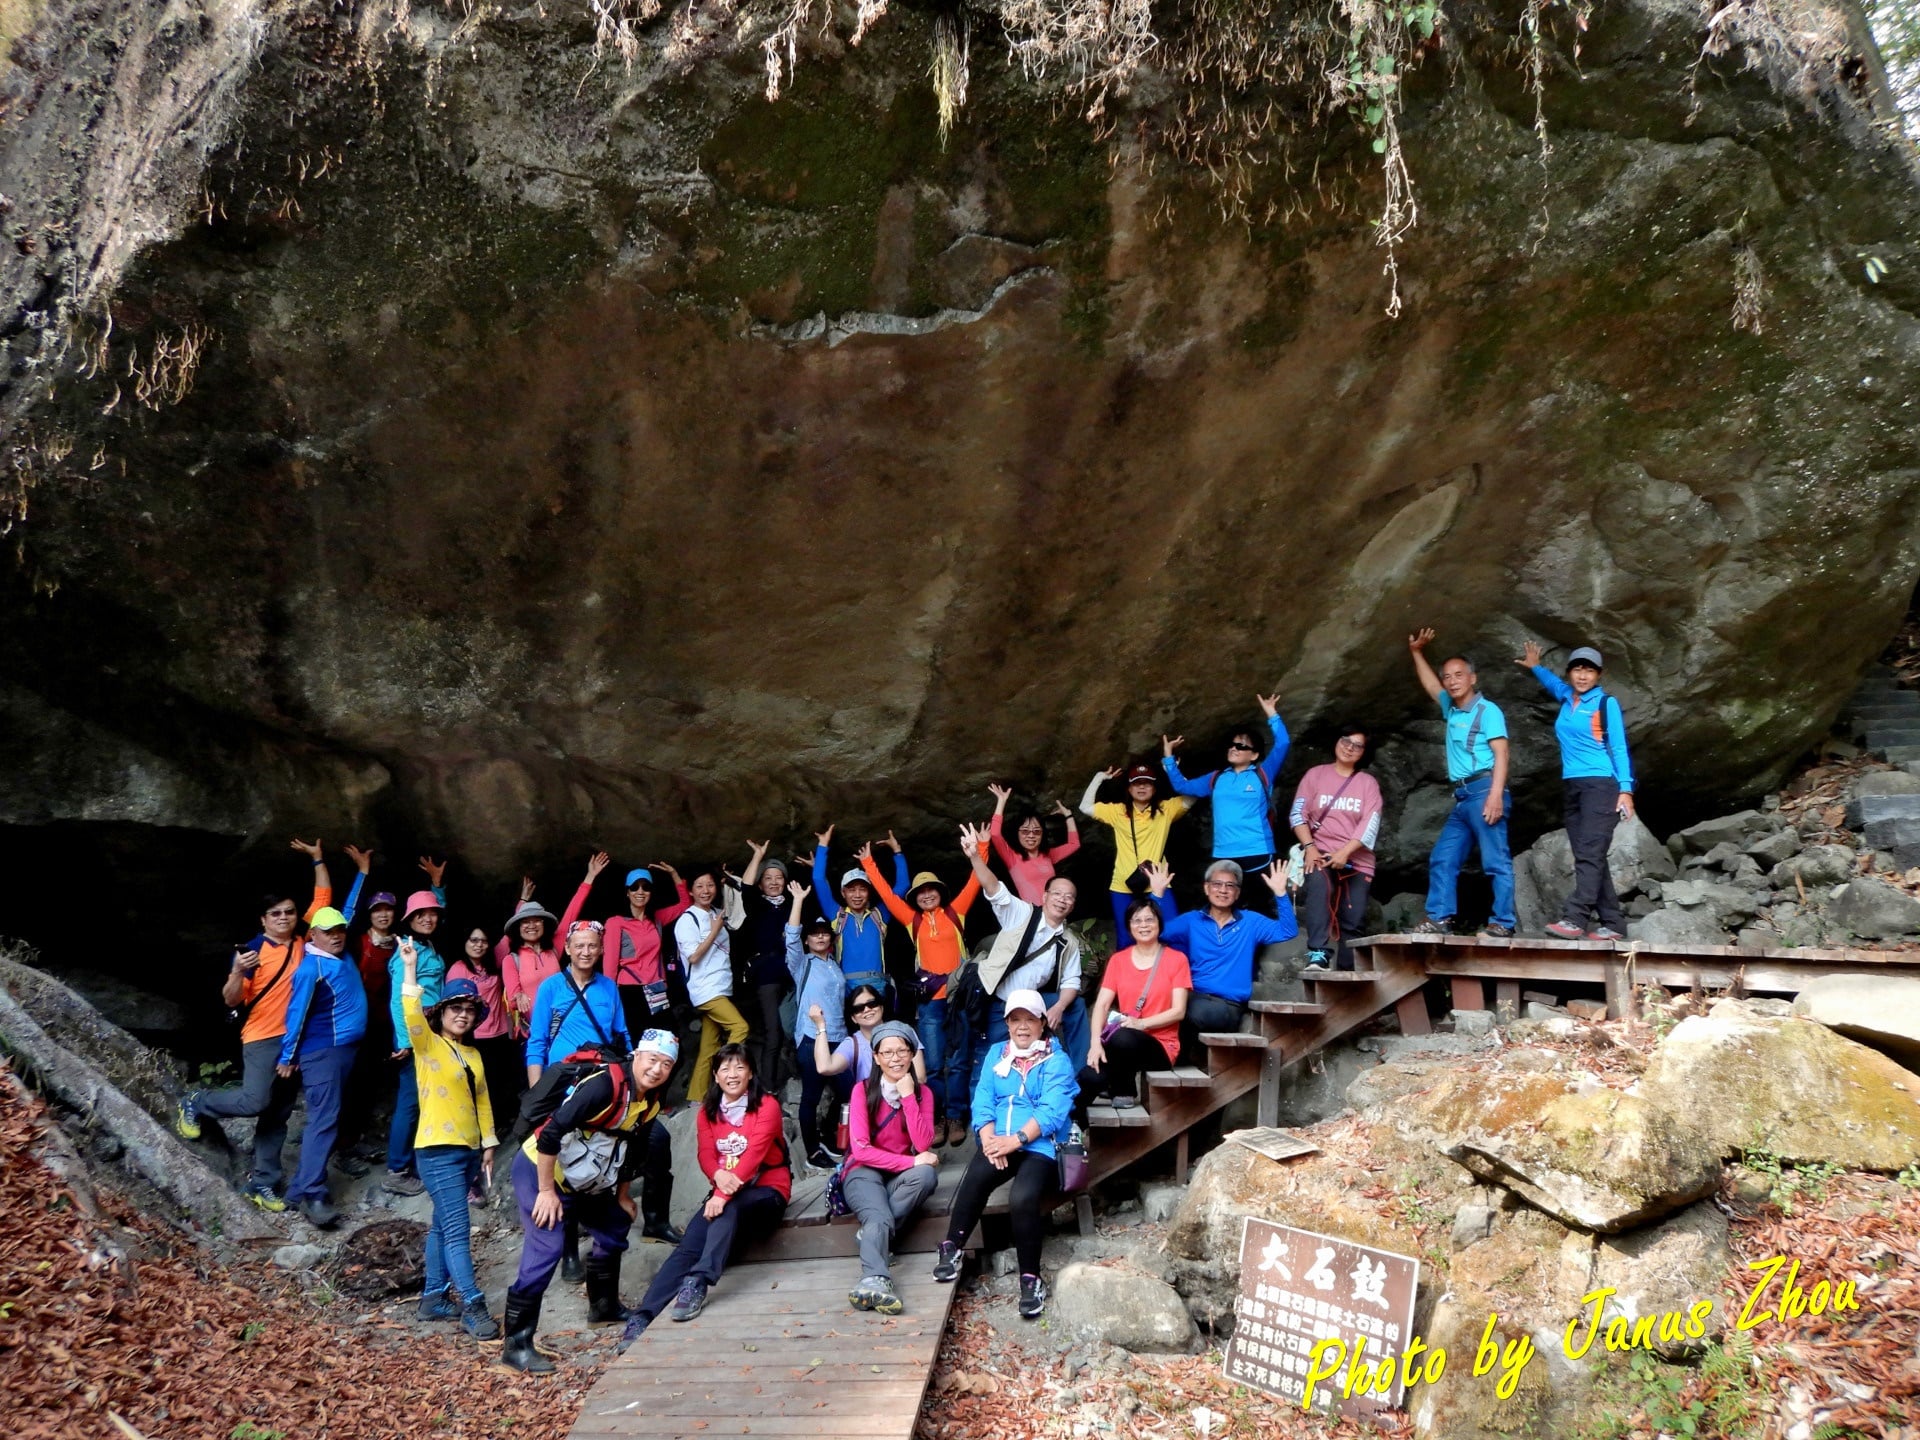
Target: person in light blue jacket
1596,781
419,921
1242,793
819,987
326,1016
1022,1110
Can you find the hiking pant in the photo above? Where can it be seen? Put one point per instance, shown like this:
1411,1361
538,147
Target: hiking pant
449,1172
1130,1054
1034,1177
323,1076
1591,818
709,1245
264,1096
884,1200
813,1085
716,1015
1122,902
1335,907
1463,830
770,1037
1209,1014
406,1118
600,1215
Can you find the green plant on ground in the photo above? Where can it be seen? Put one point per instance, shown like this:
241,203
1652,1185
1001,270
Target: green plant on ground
1718,1398
1910,1177
211,1073
1787,1183
247,1430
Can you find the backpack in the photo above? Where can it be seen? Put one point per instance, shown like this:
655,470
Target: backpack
558,1081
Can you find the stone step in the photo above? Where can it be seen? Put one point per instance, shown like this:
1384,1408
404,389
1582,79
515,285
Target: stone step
1881,735
1898,837
1903,754
1883,711
1871,809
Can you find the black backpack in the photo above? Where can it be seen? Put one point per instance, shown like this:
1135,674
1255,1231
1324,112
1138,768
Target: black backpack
557,1081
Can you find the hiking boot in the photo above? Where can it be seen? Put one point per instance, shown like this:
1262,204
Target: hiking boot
1566,930
956,1132
691,1300
863,1295
1033,1297
886,1299
1605,932
399,1182
822,1157
1433,927
1493,930
946,1264
636,1327
319,1214
352,1166
264,1197
186,1123
1317,960
521,1319
438,1306
476,1320
603,1290
663,1231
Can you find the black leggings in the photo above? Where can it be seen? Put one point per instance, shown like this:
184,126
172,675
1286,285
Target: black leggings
1130,1053
1034,1176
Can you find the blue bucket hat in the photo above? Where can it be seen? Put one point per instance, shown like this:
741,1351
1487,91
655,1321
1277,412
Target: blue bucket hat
461,990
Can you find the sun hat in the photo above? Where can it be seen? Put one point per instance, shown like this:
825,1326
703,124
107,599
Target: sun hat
895,1029
421,900
1029,1001
658,1042
460,990
383,897
641,876
924,879
530,910
1585,655
327,918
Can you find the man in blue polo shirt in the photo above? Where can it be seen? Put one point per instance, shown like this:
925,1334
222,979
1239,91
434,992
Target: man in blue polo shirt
1477,767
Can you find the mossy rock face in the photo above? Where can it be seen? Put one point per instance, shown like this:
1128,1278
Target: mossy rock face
1792,1088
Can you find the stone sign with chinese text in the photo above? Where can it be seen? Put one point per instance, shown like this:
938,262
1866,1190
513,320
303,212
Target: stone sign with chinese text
1298,1288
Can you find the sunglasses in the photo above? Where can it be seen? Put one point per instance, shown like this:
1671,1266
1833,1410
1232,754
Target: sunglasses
868,1005
1240,745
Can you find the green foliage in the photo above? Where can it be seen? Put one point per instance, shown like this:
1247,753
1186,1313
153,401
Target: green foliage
1910,1177
1788,1183
1718,1400
252,1331
212,1074
247,1430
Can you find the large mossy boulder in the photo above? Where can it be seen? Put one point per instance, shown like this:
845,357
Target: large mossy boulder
1793,1088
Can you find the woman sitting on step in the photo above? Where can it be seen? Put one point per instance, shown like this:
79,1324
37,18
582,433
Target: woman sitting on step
743,1151
1137,1015
1022,1105
891,1166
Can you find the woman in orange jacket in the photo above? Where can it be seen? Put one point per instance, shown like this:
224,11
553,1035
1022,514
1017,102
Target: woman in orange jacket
935,924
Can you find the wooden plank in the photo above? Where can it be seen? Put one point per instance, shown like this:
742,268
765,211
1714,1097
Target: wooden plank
1232,1040
1506,996
1468,994
1180,1158
1340,977
1412,1013
1105,1117
1287,1007
834,1420
1751,972
1267,1108
1643,954
1178,1077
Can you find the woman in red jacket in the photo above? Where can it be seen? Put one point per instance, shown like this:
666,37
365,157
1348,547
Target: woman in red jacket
743,1150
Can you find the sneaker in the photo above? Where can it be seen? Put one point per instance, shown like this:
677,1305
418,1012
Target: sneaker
186,1124
478,1322
438,1306
319,1214
823,1158
886,1299
352,1166
264,1197
1494,931
1317,960
1566,930
1125,1102
1033,1297
691,1300
399,1182
1605,932
863,1295
946,1264
1433,927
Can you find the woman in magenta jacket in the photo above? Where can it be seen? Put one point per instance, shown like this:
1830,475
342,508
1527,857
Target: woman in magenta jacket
892,1166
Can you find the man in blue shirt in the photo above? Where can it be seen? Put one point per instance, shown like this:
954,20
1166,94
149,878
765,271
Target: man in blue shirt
579,1006
1242,794
1219,943
1477,767
326,1017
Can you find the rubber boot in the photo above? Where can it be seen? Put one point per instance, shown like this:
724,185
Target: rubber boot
570,1270
603,1290
521,1319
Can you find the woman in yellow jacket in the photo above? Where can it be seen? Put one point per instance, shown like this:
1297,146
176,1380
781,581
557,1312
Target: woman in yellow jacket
454,1142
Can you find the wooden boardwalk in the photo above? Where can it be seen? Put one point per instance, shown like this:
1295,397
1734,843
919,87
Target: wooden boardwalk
778,1351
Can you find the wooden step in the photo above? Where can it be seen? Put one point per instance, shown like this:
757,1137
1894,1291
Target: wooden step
1339,977
1286,1007
1233,1039
1105,1117
1178,1077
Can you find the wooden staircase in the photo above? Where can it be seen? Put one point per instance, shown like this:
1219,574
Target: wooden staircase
1339,1001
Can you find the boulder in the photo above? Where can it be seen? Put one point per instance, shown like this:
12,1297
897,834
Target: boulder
1881,1011
1604,1160
1791,1087
1887,782
1402,913
1158,1201
1874,910
1736,829
1770,850
1114,1305
1635,855
300,1257
1667,1267
1544,873
1677,925
1816,865
1472,1224
1587,1009
1473,1022
1393,1079
1730,905
1866,810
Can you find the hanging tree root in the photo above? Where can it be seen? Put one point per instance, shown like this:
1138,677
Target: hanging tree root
151,1151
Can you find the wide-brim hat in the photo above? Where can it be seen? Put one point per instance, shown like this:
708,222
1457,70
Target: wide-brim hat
421,900
923,880
530,910
459,990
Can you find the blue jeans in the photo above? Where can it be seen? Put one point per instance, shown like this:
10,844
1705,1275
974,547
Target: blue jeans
406,1119
1464,829
1122,902
449,1172
323,1074
931,1025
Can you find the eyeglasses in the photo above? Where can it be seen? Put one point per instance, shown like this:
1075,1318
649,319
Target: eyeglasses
1351,743
280,914
1223,884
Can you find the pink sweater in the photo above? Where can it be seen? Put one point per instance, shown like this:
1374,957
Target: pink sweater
523,968
895,1146
1030,873
1337,809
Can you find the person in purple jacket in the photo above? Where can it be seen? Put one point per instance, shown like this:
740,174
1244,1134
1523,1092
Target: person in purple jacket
1596,780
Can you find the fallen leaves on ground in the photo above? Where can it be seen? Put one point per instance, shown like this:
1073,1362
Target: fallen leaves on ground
182,1349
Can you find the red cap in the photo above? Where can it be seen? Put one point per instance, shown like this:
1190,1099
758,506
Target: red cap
1142,772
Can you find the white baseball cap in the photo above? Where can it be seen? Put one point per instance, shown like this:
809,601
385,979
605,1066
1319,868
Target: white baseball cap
1029,1001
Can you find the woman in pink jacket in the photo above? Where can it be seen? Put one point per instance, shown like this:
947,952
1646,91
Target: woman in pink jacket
527,954
1029,863
891,1166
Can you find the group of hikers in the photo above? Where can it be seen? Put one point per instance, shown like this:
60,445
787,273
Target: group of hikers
565,1034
